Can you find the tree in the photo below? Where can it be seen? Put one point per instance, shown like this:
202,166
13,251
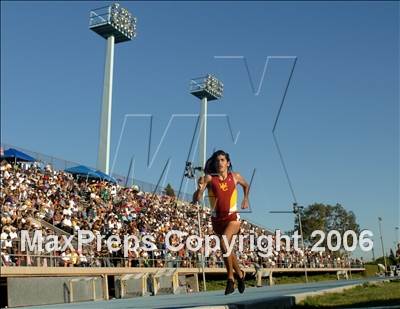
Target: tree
392,256
169,190
389,261
326,218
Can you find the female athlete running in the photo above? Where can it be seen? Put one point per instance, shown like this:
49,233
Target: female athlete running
221,183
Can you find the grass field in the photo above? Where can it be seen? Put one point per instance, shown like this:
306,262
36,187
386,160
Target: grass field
385,293
311,278
213,285
370,270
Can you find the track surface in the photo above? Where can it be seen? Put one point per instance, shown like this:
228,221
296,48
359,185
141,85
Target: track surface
207,298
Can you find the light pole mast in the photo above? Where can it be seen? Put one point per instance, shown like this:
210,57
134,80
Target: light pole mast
205,88
383,250
297,211
203,133
116,25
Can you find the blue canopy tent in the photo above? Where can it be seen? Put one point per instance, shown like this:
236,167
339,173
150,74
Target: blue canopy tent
88,172
106,177
16,155
82,170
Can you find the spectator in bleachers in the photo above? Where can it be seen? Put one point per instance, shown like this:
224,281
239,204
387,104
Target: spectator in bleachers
29,194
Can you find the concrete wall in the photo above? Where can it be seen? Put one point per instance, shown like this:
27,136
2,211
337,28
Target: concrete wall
50,290
132,286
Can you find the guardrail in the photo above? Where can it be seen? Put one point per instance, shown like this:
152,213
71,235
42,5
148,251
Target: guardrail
35,260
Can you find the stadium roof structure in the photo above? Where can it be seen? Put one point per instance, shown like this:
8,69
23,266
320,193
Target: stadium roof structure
82,170
17,155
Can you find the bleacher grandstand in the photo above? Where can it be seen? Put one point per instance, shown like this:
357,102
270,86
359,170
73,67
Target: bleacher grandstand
37,197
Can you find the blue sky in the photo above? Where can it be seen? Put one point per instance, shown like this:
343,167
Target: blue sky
338,131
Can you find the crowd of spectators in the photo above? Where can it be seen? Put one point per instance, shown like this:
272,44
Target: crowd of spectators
41,198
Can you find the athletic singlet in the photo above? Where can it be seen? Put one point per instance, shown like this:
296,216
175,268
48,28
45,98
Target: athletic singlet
222,195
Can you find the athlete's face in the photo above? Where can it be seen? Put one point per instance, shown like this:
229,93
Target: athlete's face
222,164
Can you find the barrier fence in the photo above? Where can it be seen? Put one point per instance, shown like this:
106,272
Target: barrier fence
35,260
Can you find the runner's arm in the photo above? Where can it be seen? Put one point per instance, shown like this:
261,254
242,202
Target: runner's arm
201,187
246,188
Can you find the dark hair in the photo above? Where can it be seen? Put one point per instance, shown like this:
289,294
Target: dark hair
211,167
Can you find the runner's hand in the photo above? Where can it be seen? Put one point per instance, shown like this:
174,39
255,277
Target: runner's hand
201,184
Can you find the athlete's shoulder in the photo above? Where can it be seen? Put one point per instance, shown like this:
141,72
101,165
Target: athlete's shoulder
239,179
207,177
235,174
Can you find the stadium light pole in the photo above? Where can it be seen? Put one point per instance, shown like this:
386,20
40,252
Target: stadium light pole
383,250
373,254
297,211
116,25
395,240
206,88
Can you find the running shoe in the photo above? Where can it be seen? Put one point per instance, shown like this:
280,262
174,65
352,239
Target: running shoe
241,285
230,287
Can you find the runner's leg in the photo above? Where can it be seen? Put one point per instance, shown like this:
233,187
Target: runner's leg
231,263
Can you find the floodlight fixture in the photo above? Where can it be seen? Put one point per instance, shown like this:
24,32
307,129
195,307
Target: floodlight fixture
207,87
113,20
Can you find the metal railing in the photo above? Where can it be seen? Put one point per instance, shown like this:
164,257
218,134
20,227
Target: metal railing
50,260
99,16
